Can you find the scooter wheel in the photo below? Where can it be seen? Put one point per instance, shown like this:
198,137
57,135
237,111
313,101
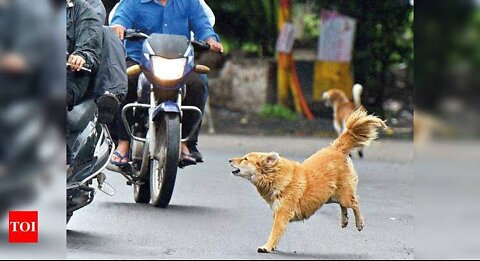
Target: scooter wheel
69,216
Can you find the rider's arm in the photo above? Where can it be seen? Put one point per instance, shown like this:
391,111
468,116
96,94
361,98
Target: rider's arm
208,11
199,22
88,34
99,9
124,17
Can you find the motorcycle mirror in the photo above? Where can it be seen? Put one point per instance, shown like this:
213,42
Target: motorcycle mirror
134,70
202,69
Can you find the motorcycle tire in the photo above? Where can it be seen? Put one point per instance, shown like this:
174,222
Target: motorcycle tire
163,168
141,193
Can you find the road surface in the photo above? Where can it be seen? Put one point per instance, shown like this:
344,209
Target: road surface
215,215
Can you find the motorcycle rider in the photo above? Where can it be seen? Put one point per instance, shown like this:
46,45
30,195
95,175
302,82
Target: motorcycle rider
178,17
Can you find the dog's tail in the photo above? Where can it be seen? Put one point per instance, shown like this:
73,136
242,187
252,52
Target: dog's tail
360,130
357,95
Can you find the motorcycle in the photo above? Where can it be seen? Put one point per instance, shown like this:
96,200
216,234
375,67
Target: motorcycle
91,148
156,117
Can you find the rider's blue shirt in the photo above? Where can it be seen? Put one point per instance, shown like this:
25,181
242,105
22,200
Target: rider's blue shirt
178,17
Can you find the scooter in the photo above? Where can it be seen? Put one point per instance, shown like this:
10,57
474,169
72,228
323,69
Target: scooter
90,149
156,122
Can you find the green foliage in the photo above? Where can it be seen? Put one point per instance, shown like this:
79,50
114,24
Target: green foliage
278,111
312,23
249,25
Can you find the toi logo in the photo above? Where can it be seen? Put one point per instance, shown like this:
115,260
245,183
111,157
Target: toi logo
23,227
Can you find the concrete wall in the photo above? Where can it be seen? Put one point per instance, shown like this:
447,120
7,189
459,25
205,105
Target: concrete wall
242,85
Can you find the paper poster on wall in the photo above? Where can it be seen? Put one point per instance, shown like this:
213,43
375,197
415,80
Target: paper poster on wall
286,38
337,33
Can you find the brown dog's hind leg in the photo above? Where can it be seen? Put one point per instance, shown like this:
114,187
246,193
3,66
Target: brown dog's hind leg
344,217
350,201
359,221
280,223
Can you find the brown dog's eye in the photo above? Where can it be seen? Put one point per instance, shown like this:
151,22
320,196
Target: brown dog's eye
245,159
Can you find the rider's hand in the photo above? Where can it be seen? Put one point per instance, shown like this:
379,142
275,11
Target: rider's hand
76,62
13,63
119,30
214,45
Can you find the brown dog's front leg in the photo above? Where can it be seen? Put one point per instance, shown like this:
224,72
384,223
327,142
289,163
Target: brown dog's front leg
280,223
344,217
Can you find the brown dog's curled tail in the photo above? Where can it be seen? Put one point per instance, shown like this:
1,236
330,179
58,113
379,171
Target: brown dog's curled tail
360,130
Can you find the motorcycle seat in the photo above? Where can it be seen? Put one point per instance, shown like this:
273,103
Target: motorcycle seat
79,117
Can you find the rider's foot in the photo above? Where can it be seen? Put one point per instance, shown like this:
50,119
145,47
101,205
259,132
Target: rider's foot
186,157
119,159
120,156
192,146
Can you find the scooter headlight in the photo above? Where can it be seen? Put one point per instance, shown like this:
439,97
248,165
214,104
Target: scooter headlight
168,69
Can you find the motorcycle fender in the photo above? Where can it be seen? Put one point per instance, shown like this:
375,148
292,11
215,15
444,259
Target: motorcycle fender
164,107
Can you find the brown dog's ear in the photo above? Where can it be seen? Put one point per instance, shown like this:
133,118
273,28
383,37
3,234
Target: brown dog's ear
271,159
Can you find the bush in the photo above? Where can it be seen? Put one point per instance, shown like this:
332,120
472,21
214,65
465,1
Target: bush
278,111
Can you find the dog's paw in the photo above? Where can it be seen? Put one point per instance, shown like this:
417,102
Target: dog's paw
264,249
344,222
360,154
360,224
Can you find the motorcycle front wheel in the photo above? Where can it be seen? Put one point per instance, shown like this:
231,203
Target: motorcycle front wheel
141,193
163,168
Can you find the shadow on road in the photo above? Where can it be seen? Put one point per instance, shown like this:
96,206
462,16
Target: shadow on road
82,236
199,210
319,256
173,209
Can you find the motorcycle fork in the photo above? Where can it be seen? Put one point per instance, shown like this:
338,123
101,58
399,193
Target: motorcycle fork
152,128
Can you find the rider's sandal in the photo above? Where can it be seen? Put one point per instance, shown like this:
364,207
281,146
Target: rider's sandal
122,157
186,160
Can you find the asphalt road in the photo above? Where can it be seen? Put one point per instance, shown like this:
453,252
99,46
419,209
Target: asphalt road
218,216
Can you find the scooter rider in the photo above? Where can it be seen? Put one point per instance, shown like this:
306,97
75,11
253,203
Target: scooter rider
178,17
84,44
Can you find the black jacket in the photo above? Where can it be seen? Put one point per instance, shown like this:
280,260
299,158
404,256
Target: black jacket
99,9
111,75
84,32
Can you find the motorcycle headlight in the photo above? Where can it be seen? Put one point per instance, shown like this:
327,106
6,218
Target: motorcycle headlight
168,69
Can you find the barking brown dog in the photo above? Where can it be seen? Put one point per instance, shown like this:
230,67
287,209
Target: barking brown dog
295,191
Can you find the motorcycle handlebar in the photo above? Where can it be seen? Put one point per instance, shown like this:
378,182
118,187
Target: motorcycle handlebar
132,34
202,46
84,68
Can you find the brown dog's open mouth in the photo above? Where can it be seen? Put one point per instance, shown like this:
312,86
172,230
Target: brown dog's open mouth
236,171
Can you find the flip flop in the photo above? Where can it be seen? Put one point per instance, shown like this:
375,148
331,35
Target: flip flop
186,160
120,163
195,153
